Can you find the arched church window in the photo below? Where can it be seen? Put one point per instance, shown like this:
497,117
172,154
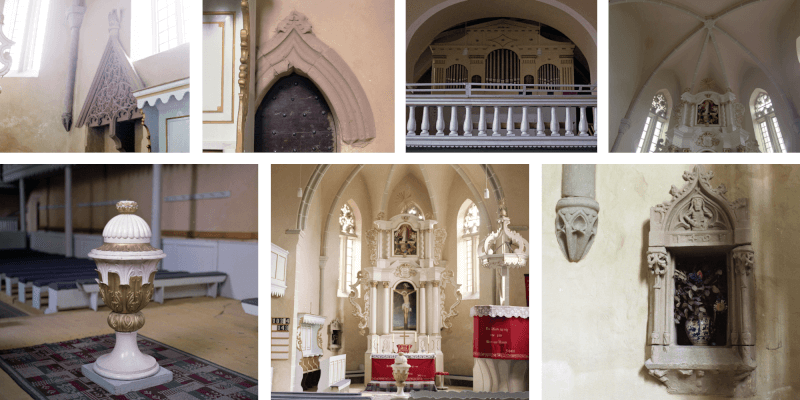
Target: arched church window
655,125
469,221
25,23
768,132
349,247
476,79
455,73
528,80
549,75
159,25
502,66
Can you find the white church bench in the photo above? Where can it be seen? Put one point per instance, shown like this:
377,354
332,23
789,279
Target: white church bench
332,371
168,285
317,396
421,395
250,306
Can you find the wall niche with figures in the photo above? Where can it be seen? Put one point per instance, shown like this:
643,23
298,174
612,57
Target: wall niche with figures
701,324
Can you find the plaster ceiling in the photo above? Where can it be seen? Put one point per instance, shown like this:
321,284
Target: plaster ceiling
710,39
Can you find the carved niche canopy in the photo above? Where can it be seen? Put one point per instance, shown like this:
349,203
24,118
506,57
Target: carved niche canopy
699,221
110,98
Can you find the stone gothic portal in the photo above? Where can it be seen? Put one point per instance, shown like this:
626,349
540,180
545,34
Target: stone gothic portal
294,117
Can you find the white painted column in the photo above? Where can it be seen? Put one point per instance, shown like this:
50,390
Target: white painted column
387,308
68,210
583,126
468,122
412,122
74,20
554,128
596,125
373,308
496,122
322,261
568,123
423,306
437,314
482,122
539,122
22,216
155,220
439,120
510,122
453,121
523,126
426,125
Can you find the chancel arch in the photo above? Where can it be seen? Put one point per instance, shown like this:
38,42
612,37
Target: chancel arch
294,49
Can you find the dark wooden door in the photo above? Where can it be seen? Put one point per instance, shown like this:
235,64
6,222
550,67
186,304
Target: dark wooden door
294,117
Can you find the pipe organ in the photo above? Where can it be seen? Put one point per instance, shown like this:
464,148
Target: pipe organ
504,52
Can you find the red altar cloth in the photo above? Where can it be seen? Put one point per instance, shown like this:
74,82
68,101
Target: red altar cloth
422,369
500,338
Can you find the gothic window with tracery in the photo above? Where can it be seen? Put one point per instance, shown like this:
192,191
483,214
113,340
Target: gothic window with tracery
413,209
25,23
768,132
655,125
349,248
469,221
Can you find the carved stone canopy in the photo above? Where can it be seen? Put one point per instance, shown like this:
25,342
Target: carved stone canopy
110,98
700,221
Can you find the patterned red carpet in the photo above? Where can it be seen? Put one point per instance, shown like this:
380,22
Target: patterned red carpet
53,371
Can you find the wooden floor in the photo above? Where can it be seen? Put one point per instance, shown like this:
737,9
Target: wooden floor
217,330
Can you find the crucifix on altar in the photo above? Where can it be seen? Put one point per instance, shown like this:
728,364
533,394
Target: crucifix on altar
406,285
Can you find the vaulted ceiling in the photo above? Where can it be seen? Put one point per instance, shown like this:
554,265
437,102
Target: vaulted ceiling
717,40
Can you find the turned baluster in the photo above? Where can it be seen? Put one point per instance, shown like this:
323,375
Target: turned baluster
523,126
539,122
594,114
584,125
439,120
453,121
412,122
496,122
468,122
553,122
425,123
568,123
482,122
510,122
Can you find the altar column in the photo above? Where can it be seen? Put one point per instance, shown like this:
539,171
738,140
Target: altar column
436,317
387,308
373,308
423,307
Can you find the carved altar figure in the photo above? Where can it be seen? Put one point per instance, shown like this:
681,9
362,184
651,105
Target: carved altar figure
698,215
406,305
405,241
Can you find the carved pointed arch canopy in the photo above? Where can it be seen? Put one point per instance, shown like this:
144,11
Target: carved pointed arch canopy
110,98
699,214
295,49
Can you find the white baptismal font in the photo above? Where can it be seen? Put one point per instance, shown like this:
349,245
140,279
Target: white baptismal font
404,299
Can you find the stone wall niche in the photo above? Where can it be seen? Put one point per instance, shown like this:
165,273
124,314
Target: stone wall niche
700,228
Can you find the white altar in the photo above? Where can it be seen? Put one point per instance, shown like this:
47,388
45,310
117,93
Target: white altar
404,289
710,122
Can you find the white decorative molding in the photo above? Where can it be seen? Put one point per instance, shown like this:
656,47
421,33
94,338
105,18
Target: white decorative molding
699,217
110,98
279,259
295,48
449,278
500,312
5,47
363,316
405,271
150,96
504,248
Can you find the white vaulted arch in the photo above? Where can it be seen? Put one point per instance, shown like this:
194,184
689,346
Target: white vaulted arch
295,49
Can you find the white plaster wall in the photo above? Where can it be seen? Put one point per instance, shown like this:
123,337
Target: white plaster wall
626,56
595,311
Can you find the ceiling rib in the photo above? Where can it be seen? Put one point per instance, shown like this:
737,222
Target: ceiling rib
700,58
618,139
721,64
736,7
661,3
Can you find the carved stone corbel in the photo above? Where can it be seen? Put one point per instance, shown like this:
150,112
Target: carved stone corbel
244,76
74,19
576,219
